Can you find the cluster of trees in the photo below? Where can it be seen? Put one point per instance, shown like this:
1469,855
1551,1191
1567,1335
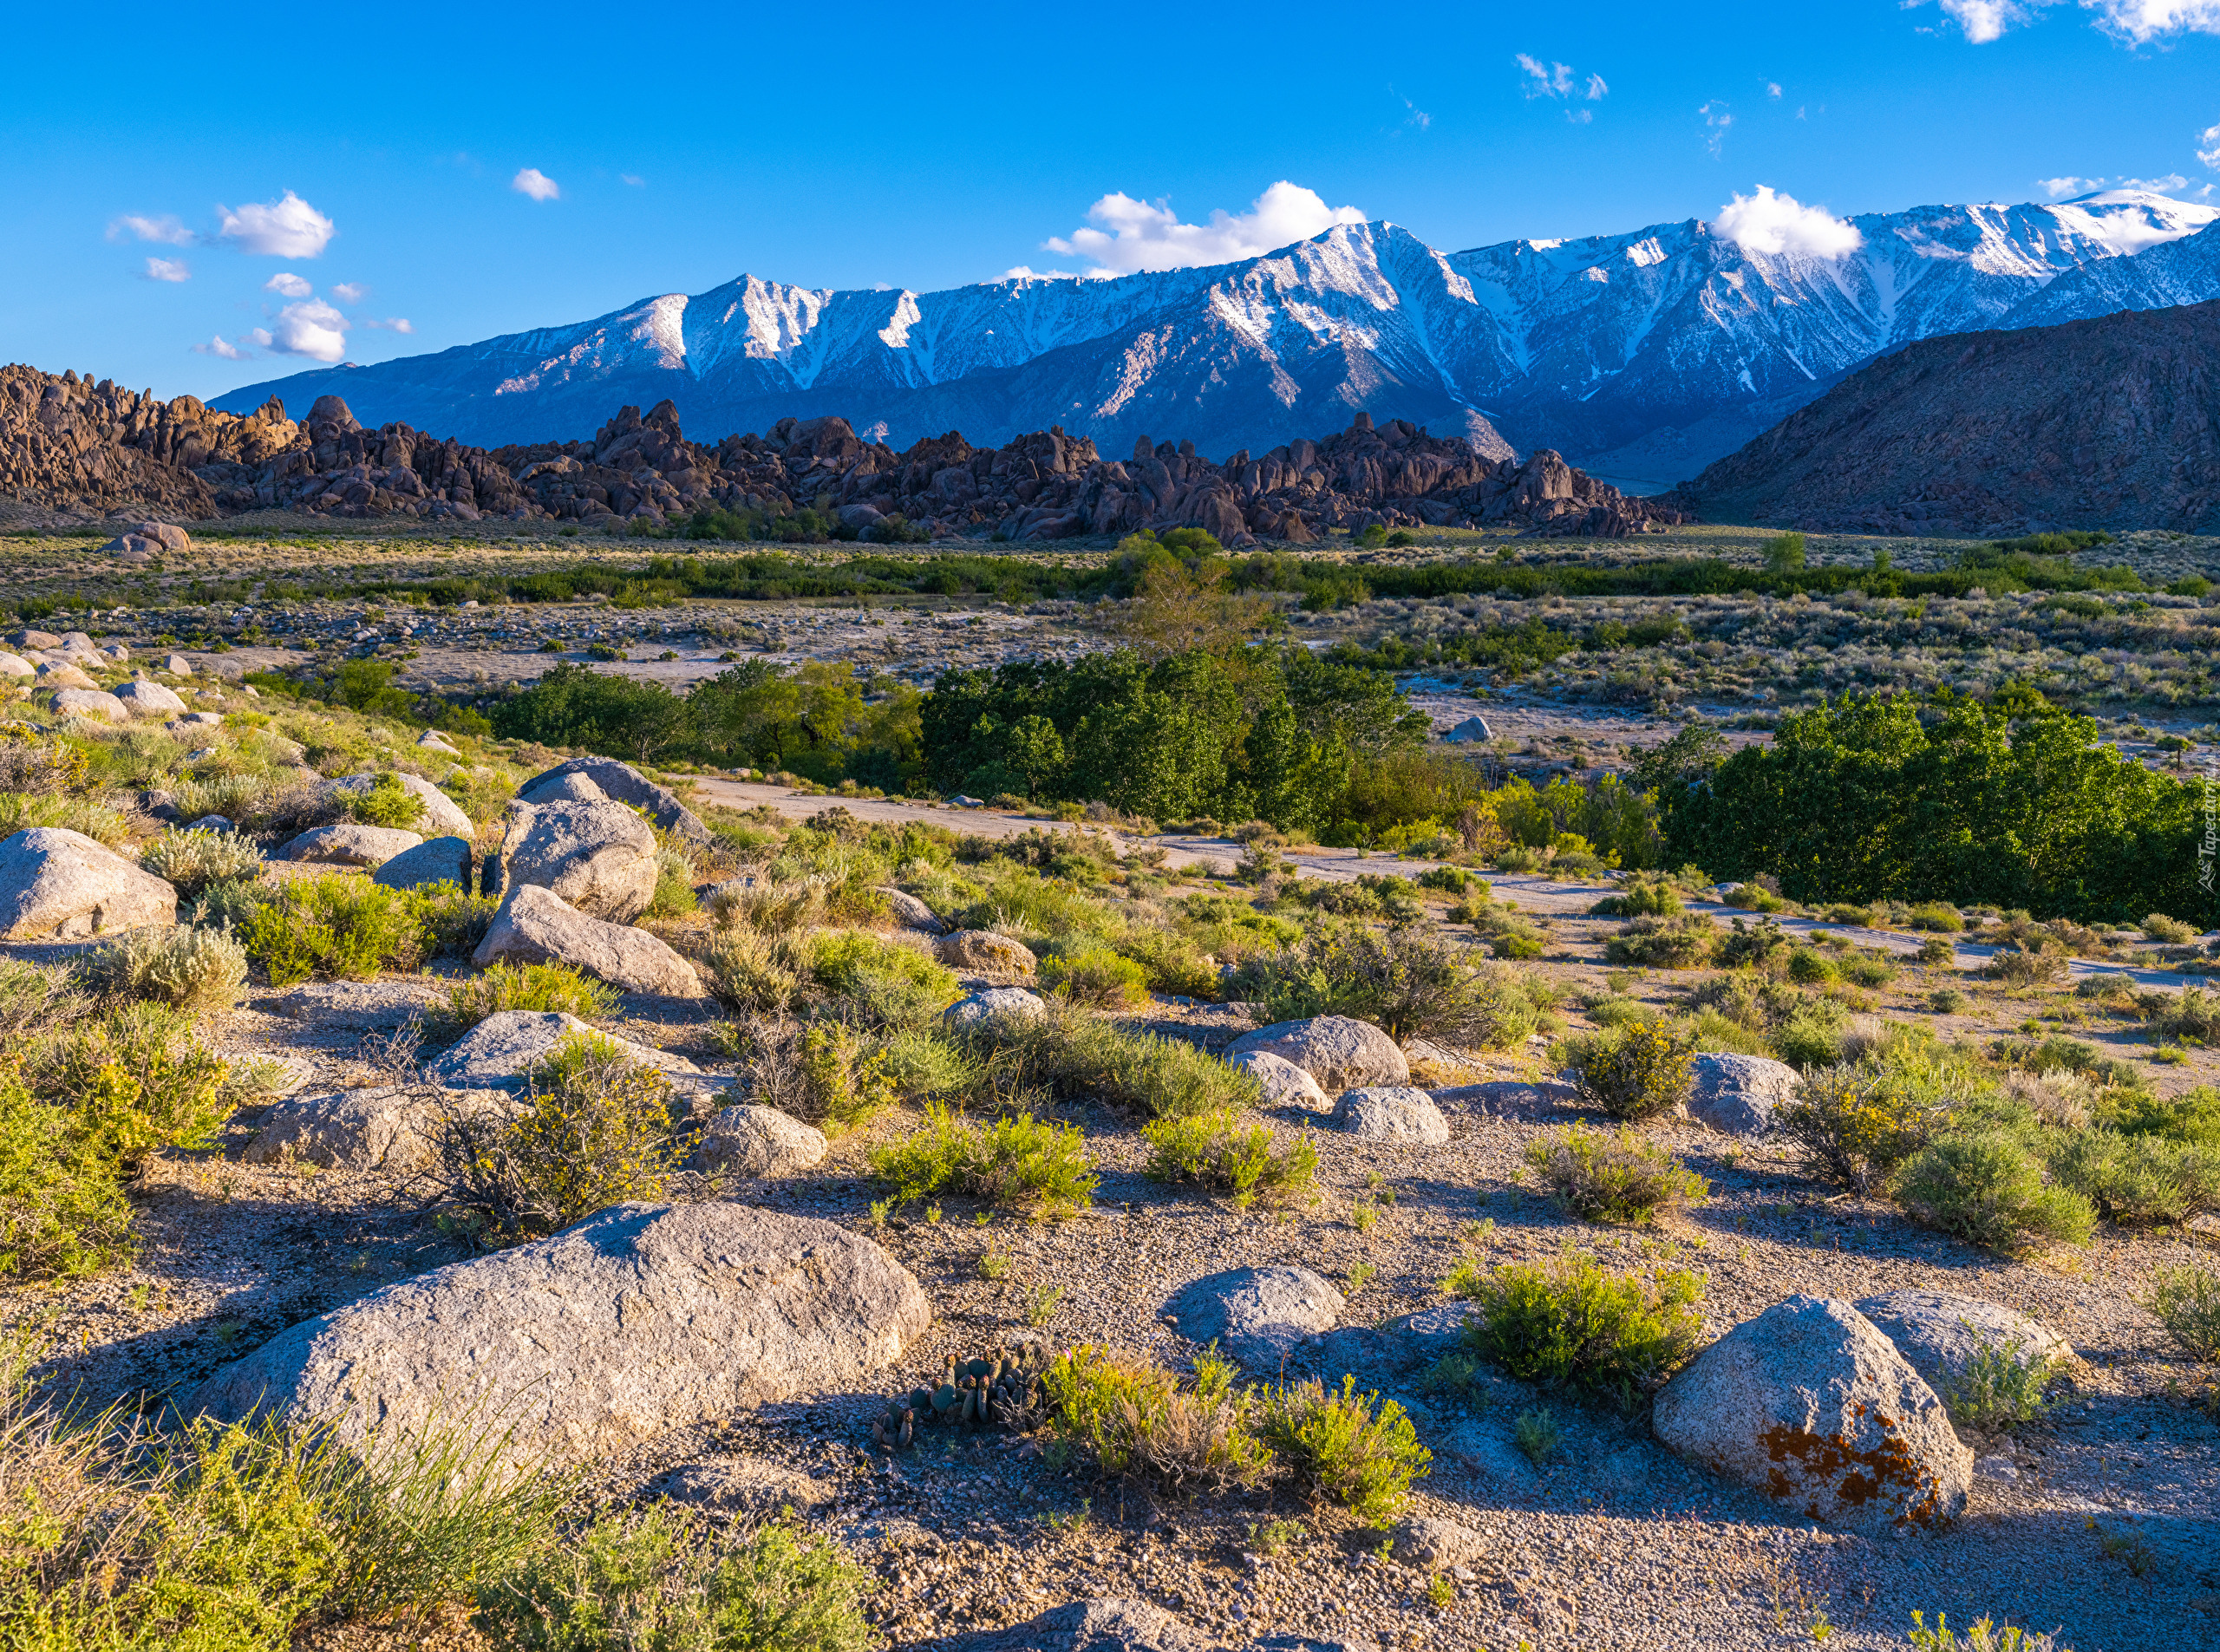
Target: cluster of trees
2009,802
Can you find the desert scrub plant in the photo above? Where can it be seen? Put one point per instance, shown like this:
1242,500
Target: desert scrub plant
1136,1421
82,814
1567,1321
889,984
2186,1300
596,1129
2026,966
188,969
1601,1178
137,1077
2168,931
1680,942
652,1583
674,894
1357,1450
2135,1180
2190,1016
1987,1189
541,987
227,906
1984,1636
1216,1150
1408,983
828,1072
1537,1435
748,972
1635,1071
2002,1387
1096,975
346,928
1642,897
384,802
62,1211
1073,1054
921,1064
190,860
1855,1123
451,920
1017,1162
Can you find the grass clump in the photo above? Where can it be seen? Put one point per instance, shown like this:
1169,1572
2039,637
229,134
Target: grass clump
748,972
187,968
648,1583
334,926
1987,1188
1136,1421
1537,1435
2002,1387
1359,1451
1601,1178
190,860
1635,1071
1096,975
595,1130
1017,1162
2168,931
1071,1055
2186,1300
1567,1321
541,987
1984,1636
1216,1150
890,984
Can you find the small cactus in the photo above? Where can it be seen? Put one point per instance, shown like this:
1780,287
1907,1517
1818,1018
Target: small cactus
1003,1392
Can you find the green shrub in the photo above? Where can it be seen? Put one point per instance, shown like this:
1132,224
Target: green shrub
385,802
1537,1435
893,985
2168,931
1014,1161
138,1081
2192,1116
2020,966
192,860
1854,1124
1567,1321
1946,1000
1216,1150
1095,975
1868,970
1605,1178
2002,1387
1635,1072
748,972
1937,950
1987,1189
335,926
1680,942
1357,1450
1136,1421
227,906
1934,916
1642,897
921,1064
190,969
1810,968
540,986
1743,947
2191,1016
1072,1054
19,812
674,896
62,1211
1984,1636
647,1583
595,1130
451,920
1410,984
2186,1300
1813,1035
2137,1180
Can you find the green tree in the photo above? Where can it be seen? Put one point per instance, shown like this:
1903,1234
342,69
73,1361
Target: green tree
1784,553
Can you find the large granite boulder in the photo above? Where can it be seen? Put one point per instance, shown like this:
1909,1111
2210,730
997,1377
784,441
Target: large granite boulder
1940,1332
1811,1405
145,699
625,784
56,885
15,665
436,860
1283,1083
599,858
395,1129
87,702
349,843
640,1320
984,952
441,813
534,926
754,1140
1391,1113
993,1009
1341,1054
1738,1094
1255,1316
499,1052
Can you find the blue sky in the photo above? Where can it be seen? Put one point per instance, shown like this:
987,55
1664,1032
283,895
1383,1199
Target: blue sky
477,171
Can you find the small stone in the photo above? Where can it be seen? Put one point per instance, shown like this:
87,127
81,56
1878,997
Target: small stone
995,1009
911,913
754,1140
1434,1544
985,953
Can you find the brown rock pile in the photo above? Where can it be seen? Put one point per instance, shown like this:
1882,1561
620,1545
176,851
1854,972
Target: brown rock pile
69,444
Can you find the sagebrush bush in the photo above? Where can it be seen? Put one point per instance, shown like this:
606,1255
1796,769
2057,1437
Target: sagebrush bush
384,802
2186,1300
597,1129
674,894
1072,1054
2190,1016
189,969
138,1079
921,1064
2137,1180
1986,1188
748,972
190,860
1854,1124
1137,1422
2020,966
1603,1177
1680,942
227,906
2191,1116
1218,1150
1567,1321
2168,931
649,1581
1017,1161
62,1211
540,986
1642,897
891,984
1635,1071
334,926
2002,1387
1408,983
451,920
1357,1450
1095,975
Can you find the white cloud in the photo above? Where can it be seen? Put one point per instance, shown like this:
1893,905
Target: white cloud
286,284
313,329
1766,222
218,347
166,229
1716,119
1596,91
350,292
397,323
1581,117
1983,21
1558,80
1772,89
1016,272
168,270
633,178
1131,235
2165,185
2208,151
2059,188
2142,22
259,337
290,228
537,184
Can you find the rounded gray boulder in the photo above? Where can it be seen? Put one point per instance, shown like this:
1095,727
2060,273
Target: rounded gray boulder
1256,1315
56,885
1391,1113
436,860
1940,1332
754,1140
1738,1094
1339,1052
598,857
534,925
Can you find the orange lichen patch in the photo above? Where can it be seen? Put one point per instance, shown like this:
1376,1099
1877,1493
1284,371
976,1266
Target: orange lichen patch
1854,1477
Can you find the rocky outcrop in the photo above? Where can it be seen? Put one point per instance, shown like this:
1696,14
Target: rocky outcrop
437,813
349,843
994,1009
56,885
437,860
598,857
639,1320
2111,423
1341,1053
535,925
391,1128
623,784
1283,1083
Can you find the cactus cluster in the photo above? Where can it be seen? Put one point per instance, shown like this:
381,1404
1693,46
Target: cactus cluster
1003,1392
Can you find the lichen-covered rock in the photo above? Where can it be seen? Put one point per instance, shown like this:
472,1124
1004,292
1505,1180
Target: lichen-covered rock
56,885
1738,1094
597,858
984,952
1391,1113
349,843
534,926
1341,1054
1939,1331
1810,1404
1284,1084
909,911
640,1320
436,860
754,1140
1255,1316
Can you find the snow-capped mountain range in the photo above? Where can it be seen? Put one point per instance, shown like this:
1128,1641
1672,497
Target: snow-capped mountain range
1642,356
